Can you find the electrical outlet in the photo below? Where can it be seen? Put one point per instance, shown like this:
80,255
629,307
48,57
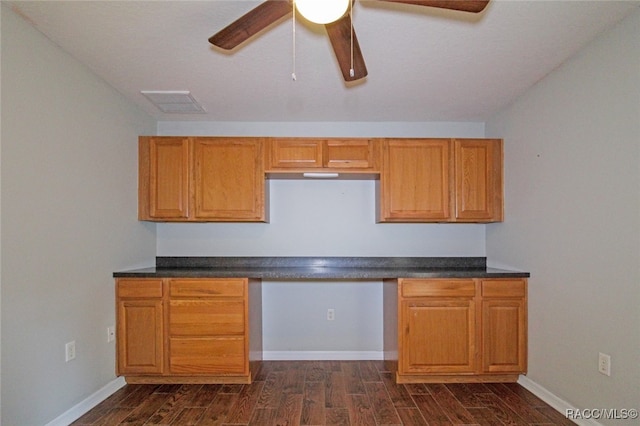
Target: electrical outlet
604,364
331,314
70,351
111,334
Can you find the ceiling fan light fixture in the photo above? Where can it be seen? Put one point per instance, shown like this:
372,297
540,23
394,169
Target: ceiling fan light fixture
322,11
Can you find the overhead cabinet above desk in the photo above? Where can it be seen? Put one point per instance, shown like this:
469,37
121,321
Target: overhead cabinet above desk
441,180
222,179
204,179
317,155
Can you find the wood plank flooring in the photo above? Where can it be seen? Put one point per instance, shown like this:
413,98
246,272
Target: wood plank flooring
323,393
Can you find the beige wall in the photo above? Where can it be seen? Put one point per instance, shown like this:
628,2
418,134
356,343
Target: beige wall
69,199
572,155
0,218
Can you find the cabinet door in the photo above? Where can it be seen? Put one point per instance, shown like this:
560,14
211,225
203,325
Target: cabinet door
295,154
349,154
229,180
438,336
140,340
415,181
164,178
504,326
503,333
478,171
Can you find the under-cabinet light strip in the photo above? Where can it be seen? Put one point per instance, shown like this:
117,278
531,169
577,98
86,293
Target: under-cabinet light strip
321,175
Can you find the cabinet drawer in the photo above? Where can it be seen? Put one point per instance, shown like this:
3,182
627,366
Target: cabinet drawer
437,288
208,356
207,288
503,288
206,317
139,288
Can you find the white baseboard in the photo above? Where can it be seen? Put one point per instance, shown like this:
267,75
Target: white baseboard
322,355
77,411
554,401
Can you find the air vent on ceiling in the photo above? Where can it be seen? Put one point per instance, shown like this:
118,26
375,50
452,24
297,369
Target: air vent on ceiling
174,101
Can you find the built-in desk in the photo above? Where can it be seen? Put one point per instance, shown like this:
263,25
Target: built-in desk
321,268
198,319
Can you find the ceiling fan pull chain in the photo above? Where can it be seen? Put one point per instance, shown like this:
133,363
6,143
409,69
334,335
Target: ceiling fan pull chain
293,72
352,72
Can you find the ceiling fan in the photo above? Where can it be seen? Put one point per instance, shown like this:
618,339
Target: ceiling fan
341,35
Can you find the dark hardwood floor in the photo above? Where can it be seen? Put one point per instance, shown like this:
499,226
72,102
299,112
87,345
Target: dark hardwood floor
323,393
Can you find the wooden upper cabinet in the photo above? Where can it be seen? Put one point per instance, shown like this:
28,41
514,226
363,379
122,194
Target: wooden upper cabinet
229,179
304,154
441,180
415,184
222,179
478,169
201,179
164,177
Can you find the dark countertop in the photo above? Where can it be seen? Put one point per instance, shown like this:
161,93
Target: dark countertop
321,268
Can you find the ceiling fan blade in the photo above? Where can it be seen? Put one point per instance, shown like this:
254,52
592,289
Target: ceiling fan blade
251,23
340,36
473,6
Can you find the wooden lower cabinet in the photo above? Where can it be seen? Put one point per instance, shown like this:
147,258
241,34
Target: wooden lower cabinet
439,336
504,326
140,327
221,355
201,330
456,330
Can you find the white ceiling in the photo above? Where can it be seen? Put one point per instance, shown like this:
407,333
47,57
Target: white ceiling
424,64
